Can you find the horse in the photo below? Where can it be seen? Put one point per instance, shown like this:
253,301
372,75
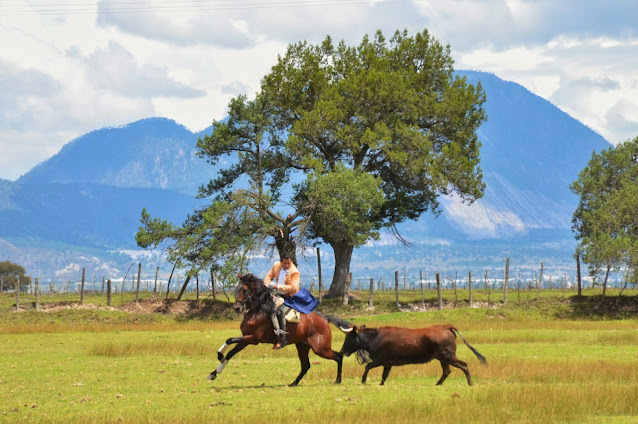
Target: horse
311,332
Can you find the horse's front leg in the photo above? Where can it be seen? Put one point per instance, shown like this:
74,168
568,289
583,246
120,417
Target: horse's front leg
242,342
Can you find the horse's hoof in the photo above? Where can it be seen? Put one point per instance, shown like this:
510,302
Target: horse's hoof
293,384
338,382
212,376
220,356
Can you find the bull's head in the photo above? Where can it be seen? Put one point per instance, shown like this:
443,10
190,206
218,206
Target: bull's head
352,343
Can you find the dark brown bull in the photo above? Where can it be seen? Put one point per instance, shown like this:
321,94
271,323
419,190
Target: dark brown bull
389,346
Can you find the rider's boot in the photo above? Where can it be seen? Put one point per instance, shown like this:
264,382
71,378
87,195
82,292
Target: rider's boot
281,338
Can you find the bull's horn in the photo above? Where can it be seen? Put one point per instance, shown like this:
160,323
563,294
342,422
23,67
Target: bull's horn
346,330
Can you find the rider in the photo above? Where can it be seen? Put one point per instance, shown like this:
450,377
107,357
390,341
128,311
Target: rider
283,276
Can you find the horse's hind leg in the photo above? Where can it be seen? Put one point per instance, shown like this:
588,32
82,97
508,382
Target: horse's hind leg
224,360
302,352
321,347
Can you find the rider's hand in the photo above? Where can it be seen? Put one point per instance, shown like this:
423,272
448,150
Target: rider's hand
272,285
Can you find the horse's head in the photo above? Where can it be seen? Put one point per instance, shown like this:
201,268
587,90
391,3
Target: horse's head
243,291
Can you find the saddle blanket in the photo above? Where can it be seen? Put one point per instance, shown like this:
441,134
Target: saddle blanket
302,301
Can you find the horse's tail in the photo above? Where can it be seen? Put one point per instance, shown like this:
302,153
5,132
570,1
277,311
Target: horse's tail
478,355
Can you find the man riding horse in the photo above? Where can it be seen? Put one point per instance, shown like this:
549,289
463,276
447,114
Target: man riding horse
284,277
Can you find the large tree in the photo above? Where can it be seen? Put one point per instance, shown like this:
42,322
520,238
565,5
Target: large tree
606,219
390,108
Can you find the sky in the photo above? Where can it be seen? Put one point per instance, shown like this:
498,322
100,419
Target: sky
71,66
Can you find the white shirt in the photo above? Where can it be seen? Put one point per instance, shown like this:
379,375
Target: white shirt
282,276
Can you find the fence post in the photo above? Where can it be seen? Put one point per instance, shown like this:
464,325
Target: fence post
82,287
540,283
371,299
507,279
396,287
421,281
103,282
438,290
579,283
155,286
404,279
37,294
139,275
18,294
347,289
469,287
108,292
319,269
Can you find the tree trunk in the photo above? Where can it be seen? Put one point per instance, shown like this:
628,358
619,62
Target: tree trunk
284,241
605,282
343,255
181,292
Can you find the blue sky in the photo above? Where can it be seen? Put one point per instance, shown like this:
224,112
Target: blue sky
69,67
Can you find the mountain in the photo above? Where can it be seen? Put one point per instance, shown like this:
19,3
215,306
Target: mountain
150,153
531,153
82,206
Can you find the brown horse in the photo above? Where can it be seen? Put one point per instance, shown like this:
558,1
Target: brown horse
312,331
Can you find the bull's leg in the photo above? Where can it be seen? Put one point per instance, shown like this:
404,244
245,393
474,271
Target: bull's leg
369,366
302,352
242,342
386,372
446,372
463,367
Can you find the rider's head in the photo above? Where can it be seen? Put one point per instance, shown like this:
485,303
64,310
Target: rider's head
286,260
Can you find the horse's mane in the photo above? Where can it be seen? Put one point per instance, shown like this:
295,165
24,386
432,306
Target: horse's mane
259,300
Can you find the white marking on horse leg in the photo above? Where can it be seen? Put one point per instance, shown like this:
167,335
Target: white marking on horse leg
222,349
221,366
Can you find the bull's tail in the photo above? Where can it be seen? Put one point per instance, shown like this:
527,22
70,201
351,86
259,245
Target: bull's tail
478,355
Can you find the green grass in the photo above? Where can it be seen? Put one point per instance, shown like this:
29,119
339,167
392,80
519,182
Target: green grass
549,360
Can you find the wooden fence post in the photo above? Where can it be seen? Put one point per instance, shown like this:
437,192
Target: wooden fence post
347,289
155,286
319,268
108,292
197,285
421,282
371,299
37,294
139,276
82,287
579,283
103,282
507,279
396,287
438,289
18,294
540,283
469,287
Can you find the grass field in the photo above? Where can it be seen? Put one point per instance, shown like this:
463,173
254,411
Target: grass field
548,361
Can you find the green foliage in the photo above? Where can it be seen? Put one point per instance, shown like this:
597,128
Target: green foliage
11,274
344,204
606,219
390,108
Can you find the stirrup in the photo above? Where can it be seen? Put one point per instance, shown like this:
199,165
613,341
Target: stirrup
280,344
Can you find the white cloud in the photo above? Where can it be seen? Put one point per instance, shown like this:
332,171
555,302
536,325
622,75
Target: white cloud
68,73
115,69
176,25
